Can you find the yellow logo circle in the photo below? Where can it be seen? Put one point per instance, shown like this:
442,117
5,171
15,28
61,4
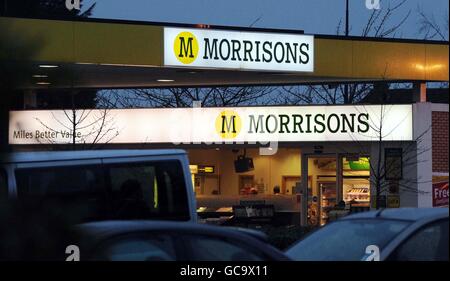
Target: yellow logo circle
228,124
185,47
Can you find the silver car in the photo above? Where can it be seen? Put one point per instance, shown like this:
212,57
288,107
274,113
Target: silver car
406,234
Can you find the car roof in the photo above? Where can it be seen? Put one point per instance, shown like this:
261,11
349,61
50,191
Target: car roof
411,214
97,231
120,225
20,157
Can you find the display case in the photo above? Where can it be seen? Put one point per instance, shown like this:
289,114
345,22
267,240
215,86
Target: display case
328,197
358,194
356,191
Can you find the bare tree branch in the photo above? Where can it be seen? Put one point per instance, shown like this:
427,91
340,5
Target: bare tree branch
430,28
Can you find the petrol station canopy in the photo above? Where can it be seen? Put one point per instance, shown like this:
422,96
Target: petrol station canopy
122,54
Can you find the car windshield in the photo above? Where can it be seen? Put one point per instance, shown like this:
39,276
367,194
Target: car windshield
346,240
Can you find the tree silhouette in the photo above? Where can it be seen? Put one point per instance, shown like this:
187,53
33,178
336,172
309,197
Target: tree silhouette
184,97
383,23
42,9
87,128
379,167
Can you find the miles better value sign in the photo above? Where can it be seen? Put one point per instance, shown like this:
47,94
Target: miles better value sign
214,125
206,48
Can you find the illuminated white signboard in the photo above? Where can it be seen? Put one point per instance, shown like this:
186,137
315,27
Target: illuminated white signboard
206,48
214,125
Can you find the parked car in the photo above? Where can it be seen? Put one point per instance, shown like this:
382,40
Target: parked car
102,184
170,241
406,234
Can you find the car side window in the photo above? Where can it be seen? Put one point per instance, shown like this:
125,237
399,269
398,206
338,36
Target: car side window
138,248
209,248
430,243
3,185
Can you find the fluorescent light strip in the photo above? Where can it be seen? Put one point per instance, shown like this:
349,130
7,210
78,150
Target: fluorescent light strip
48,66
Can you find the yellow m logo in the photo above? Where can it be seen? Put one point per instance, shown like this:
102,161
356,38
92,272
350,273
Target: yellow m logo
228,124
185,47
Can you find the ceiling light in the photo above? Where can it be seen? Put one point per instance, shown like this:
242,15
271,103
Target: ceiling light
165,80
40,76
48,66
43,83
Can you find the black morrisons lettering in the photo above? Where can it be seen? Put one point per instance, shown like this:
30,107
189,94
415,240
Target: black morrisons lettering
363,119
266,51
309,123
211,50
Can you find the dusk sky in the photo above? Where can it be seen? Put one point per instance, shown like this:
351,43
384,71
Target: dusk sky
312,16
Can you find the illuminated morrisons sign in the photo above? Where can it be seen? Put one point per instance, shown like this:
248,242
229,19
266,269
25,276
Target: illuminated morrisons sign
238,50
229,123
215,125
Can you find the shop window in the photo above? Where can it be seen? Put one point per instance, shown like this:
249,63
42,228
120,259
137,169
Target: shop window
356,181
221,186
205,180
322,191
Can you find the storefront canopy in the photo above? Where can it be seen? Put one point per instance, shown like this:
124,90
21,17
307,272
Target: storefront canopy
105,54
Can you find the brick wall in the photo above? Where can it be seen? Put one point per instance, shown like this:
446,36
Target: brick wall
440,141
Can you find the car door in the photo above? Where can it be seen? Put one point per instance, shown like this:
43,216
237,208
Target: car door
428,243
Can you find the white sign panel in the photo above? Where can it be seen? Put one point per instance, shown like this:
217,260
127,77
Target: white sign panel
214,125
206,48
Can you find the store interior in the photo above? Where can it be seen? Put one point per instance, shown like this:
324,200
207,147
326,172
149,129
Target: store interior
223,178
324,188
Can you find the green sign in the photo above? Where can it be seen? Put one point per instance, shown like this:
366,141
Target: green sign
362,164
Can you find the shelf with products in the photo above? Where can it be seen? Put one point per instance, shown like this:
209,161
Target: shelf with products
356,190
350,200
328,195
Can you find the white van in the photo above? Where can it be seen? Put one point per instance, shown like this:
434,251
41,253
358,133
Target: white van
103,184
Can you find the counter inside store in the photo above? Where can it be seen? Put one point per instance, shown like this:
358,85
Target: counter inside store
222,209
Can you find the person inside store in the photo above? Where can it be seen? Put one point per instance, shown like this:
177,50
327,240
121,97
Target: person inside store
338,211
276,190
